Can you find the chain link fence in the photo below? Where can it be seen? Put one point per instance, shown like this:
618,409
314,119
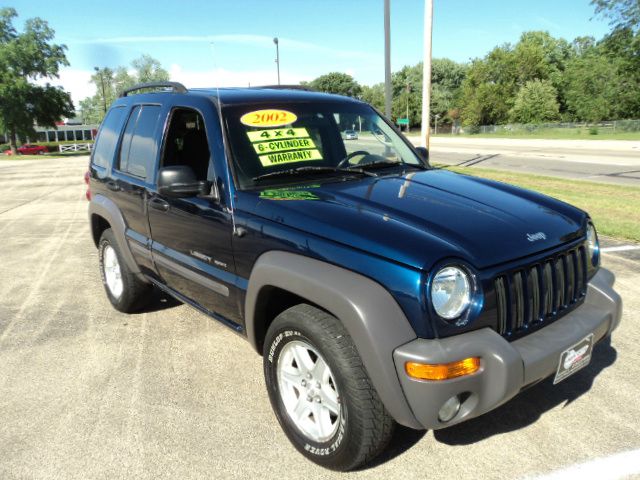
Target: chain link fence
593,128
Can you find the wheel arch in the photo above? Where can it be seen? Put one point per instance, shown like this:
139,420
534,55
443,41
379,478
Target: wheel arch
98,225
103,212
374,320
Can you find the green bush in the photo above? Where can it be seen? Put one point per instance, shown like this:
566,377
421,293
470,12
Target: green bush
593,131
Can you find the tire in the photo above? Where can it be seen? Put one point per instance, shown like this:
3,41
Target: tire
126,292
352,425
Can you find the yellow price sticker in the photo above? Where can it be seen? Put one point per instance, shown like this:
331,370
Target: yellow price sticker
276,134
273,159
268,118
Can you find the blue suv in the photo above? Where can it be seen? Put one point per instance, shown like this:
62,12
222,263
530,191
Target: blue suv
378,290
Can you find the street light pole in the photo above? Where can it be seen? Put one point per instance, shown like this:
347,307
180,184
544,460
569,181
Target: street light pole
426,73
275,40
407,117
387,60
104,97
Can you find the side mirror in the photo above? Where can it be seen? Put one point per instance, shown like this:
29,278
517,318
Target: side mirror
180,181
424,154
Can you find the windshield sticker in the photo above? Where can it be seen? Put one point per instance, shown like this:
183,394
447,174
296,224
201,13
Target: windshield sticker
277,134
268,118
285,194
283,145
273,159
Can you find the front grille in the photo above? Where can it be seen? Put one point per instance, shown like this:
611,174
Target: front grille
540,293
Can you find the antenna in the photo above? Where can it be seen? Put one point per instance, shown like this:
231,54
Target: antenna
236,231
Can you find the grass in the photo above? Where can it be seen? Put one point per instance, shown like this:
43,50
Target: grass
559,134
615,209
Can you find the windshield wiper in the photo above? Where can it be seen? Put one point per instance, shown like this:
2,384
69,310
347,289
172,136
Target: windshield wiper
310,169
383,164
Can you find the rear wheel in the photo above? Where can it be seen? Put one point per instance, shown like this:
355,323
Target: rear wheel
126,292
320,390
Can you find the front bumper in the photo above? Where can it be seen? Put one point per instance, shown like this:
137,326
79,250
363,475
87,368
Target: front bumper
506,368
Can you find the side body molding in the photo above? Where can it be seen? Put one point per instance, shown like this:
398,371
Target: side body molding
107,209
370,314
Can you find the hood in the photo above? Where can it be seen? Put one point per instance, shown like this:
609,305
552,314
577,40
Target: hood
419,219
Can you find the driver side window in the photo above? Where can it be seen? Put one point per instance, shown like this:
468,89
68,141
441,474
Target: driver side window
186,142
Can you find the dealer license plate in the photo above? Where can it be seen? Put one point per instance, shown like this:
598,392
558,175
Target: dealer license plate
574,358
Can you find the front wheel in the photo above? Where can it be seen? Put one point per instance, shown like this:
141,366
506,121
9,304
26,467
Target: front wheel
320,390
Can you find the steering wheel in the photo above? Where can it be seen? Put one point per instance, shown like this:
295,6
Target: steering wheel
380,136
346,159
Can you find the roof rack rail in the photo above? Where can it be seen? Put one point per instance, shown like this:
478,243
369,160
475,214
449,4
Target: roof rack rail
174,86
287,87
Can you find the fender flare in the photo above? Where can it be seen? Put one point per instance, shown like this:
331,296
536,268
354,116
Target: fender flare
107,209
370,314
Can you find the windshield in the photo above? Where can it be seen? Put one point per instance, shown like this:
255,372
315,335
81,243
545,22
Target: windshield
295,136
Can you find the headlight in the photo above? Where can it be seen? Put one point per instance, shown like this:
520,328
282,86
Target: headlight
592,244
450,292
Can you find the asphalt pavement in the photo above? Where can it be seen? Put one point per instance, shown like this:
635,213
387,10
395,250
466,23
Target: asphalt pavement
88,392
609,161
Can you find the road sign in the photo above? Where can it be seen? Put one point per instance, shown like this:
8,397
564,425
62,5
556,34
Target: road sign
402,121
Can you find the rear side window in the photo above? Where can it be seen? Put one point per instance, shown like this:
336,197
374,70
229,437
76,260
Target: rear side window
138,150
108,137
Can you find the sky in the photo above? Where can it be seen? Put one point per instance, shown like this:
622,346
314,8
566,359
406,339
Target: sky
230,43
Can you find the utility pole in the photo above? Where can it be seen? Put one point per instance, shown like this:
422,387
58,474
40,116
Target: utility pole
104,95
387,60
275,40
407,117
426,73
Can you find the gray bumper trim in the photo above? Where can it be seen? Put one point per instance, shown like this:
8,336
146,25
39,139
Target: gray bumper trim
505,367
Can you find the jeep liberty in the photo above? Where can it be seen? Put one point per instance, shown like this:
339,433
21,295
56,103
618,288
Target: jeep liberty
378,290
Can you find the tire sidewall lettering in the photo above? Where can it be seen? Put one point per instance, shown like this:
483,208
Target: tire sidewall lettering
104,244
278,339
323,451
317,449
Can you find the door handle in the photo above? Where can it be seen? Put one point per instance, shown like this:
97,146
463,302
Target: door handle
159,204
113,186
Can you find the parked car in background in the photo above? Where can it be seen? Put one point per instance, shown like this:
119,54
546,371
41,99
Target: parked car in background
28,149
350,135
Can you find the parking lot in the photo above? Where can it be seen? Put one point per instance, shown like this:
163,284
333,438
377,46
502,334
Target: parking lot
88,392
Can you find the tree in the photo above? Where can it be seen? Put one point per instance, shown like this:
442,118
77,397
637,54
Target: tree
593,88
622,47
621,13
26,57
446,79
583,45
374,95
145,69
492,84
336,82
489,88
536,102
148,69
406,89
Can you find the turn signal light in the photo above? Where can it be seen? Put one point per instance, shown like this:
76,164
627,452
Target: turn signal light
442,371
